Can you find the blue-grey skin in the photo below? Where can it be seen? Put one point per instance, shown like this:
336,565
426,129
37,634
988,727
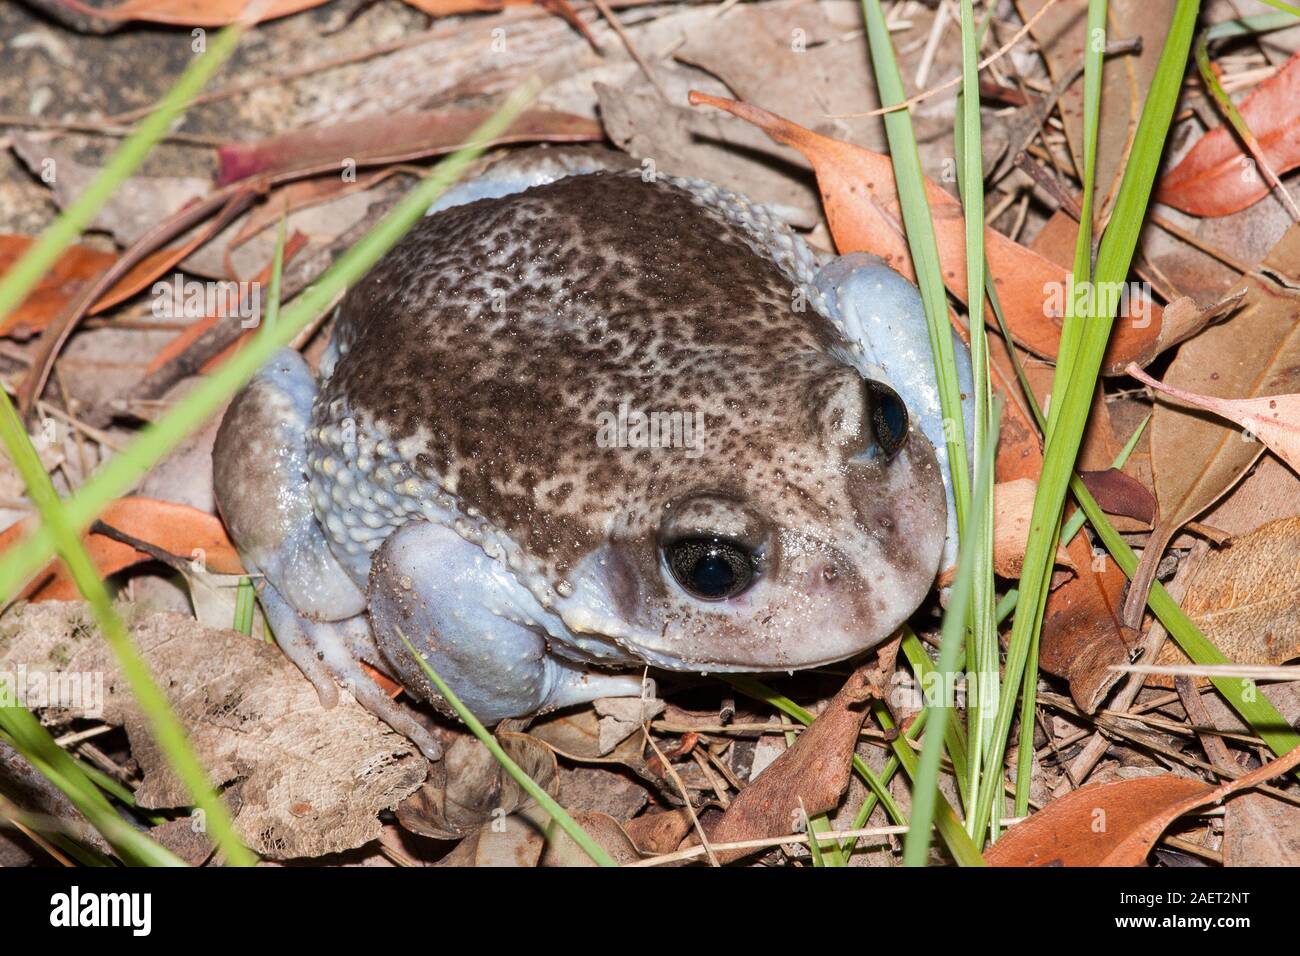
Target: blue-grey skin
442,482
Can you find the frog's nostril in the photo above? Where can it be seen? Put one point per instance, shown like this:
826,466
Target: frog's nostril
830,573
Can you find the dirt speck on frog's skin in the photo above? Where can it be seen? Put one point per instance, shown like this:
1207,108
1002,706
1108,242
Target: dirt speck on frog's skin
495,462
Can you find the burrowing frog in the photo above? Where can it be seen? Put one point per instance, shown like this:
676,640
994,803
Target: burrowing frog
582,420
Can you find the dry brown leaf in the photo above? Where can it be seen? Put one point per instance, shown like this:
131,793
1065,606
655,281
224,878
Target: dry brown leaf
1273,419
656,834
561,850
469,789
577,735
384,139
1196,458
1270,491
195,13
690,143
1013,505
511,842
1116,824
1261,830
808,778
311,781
1246,599
1217,177
1120,494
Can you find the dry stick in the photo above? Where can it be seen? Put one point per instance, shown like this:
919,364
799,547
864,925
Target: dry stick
825,837
685,795
632,51
1096,748
993,57
230,201
717,785
1112,724
9,815
107,129
348,59
1215,748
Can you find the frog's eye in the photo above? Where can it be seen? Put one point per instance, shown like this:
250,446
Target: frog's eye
888,418
711,569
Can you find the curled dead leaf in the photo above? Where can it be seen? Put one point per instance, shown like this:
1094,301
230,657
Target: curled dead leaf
808,778
469,789
1116,824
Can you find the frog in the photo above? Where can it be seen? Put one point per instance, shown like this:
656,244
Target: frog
585,420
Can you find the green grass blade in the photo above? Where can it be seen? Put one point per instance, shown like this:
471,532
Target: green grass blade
544,799
924,248
1081,365
926,674
245,605
925,781
27,736
954,836
163,722
982,653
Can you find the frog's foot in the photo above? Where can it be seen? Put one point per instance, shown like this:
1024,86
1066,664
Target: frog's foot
327,652
314,608
881,314
477,627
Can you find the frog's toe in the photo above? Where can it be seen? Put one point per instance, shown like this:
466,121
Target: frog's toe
315,610
300,646
575,684
327,653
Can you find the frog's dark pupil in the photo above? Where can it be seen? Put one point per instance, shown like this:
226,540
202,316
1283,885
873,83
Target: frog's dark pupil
712,575
889,417
710,568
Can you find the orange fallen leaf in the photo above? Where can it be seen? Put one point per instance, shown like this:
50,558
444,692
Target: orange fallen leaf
77,266
1013,505
177,529
861,203
1116,824
1217,177
194,13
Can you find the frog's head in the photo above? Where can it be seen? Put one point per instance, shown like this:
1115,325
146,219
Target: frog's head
801,532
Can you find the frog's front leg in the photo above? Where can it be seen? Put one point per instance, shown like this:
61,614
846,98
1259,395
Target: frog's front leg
477,626
315,610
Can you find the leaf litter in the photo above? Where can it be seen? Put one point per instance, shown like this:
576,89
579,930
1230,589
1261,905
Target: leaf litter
1212,320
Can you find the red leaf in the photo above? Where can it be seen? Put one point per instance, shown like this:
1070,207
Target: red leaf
1218,177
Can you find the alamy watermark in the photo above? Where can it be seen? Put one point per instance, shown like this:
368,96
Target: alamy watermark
81,691
183,298
1128,299
633,428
